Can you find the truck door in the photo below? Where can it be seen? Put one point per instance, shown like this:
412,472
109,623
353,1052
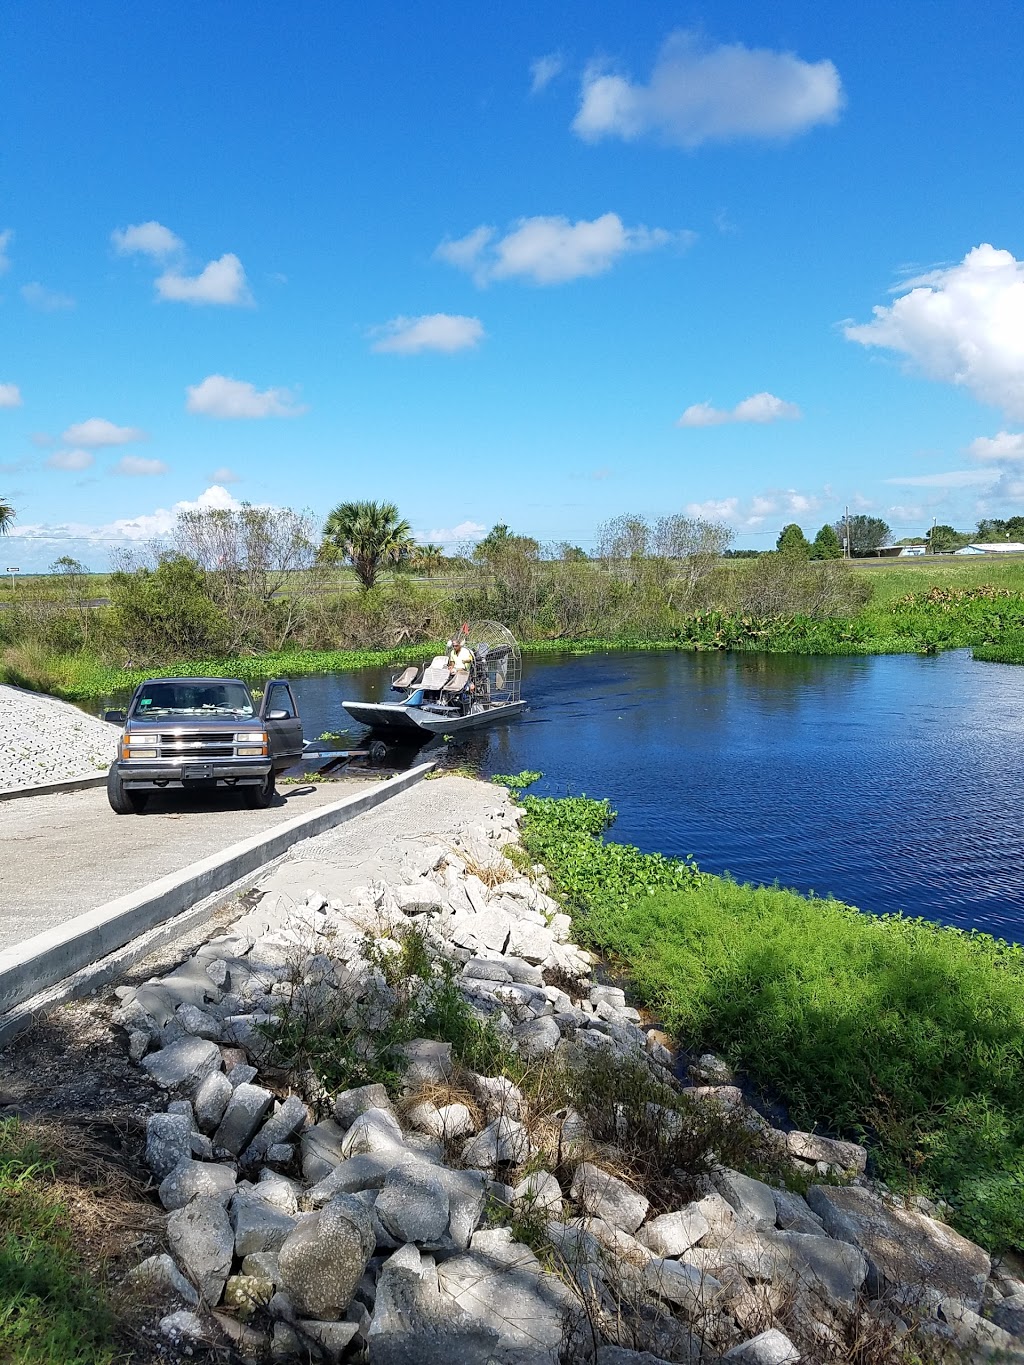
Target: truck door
284,728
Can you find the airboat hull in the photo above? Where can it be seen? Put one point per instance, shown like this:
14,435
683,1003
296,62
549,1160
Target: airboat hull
395,719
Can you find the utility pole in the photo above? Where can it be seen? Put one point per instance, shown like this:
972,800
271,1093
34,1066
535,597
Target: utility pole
931,538
846,538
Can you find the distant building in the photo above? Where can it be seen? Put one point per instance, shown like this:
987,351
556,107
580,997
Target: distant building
899,551
995,547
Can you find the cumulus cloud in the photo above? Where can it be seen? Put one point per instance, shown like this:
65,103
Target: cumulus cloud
225,475
450,535
543,71
71,459
97,431
714,509
963,325
10,396
445,332
147,239
775,505
39,538
135,467
219,396
698,93
6,238
221,282
759,407
1005,445
552,250
45,300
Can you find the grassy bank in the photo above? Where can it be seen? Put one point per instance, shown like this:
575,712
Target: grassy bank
51,1307
897,1031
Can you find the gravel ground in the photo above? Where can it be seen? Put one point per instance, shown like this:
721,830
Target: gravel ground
44,740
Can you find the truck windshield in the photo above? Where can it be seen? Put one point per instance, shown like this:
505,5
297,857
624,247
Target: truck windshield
194,699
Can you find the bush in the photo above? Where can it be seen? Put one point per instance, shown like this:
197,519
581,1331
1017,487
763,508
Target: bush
166,612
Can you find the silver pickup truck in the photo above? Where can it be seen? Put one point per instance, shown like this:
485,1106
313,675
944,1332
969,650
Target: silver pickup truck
195,734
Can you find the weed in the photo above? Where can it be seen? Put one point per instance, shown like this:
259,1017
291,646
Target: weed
349,1036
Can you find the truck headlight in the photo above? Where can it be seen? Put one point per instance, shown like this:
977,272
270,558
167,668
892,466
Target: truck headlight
252,750
251,737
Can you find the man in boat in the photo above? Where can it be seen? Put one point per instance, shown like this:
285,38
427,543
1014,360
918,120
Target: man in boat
460,655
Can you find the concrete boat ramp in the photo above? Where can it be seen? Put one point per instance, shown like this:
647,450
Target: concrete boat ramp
83,892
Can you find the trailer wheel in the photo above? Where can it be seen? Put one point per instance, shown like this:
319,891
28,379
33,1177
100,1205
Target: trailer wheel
378,751
122,801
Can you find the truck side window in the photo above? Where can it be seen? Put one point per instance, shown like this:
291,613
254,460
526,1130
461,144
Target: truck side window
280,700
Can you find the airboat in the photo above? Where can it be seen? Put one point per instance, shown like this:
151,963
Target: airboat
476,682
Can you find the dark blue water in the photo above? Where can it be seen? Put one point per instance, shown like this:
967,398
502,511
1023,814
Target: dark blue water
893,783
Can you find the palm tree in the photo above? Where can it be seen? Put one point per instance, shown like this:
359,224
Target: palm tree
427,559
369,535
6,517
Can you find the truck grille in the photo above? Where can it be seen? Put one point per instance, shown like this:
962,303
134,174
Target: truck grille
196,746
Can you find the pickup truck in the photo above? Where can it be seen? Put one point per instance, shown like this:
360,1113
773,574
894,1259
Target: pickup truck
198,734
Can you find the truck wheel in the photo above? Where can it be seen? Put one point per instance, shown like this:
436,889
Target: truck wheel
123,802
261,796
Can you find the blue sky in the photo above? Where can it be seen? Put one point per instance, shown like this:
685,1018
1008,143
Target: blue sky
539,265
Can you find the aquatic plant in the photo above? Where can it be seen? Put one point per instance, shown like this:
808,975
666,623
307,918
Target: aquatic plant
898,1031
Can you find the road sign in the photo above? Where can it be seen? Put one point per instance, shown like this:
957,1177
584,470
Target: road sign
14,570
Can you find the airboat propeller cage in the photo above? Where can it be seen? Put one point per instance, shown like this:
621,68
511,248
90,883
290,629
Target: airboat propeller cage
497,658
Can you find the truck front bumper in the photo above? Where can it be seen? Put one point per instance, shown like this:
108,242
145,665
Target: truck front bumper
149,774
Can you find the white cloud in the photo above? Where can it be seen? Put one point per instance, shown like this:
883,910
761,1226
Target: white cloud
135,467
951,478
543,71
759,407
714,509
6,238
225,475
221,282
114,534
37,296
219,396
71,459
552,250
446,332
150,239
10,396
963,325
710,94
466,530
774,505
97,431
1005,445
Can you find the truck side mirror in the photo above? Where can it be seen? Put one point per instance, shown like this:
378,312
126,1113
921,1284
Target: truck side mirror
115,717
278,715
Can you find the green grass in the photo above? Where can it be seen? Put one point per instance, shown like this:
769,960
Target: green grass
893,1030
51,1311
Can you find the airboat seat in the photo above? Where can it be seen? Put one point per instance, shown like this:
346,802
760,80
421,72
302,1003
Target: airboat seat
406,679
435,677
457,683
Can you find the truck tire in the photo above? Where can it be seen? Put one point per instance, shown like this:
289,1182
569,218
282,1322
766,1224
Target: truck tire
261,796
123,802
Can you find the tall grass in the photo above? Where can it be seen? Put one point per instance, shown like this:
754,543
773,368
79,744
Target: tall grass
894,1030
50,1309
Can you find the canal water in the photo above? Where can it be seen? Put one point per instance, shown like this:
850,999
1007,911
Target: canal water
892,782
